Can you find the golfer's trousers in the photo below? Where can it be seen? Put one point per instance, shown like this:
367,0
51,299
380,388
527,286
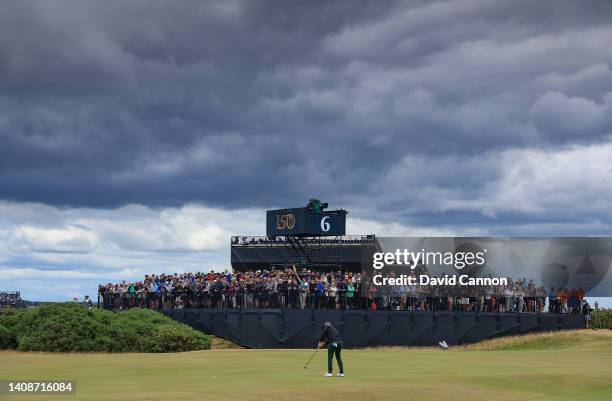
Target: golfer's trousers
334,347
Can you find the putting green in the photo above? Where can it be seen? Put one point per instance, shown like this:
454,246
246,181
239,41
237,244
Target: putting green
536,367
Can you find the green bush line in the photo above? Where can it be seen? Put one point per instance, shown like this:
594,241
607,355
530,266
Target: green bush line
72,327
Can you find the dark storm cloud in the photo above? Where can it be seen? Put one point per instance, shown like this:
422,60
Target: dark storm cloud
259,103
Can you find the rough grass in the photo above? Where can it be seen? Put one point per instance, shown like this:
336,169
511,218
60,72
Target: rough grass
222,343
541,341
487,371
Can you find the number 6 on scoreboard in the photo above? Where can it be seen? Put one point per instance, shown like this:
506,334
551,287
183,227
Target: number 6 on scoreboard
324,224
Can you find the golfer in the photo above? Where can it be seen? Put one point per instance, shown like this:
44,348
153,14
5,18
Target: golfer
331,337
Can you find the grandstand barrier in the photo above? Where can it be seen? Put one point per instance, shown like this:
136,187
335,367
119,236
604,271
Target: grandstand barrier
293,328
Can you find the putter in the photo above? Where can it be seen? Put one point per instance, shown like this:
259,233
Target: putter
312,356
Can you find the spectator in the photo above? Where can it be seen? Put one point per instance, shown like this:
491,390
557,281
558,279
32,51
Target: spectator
12,298
306,289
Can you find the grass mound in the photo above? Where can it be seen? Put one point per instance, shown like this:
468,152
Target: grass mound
72,327
543,341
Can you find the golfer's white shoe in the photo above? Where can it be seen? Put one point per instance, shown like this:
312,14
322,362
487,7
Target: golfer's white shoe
340,375
328,374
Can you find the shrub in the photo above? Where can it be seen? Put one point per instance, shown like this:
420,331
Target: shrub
601,319
145,330
73,328
8,321
6,338
63,328
172,338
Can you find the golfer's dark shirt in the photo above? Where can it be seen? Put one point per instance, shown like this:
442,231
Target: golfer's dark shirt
330,334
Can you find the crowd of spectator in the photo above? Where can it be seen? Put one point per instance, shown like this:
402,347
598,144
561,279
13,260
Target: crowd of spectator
277,240
9,298
306,289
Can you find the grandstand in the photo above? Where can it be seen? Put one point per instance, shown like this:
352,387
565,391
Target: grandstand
308,237
9,298
306,270
322,253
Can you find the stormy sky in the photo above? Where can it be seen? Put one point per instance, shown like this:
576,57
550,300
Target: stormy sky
137,136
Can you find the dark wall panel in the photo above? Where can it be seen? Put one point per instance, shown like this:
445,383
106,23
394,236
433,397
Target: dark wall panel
353,328
232,325
508,324
574,321
549,322
400,329
467,328
249,330
290,328
269,328
444,328
205,320
219,324
296,328
528,322
377,328
423,328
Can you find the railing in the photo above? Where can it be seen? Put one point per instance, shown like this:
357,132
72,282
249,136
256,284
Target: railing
296,299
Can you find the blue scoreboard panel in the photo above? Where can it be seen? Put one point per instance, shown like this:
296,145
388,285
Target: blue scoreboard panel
304,221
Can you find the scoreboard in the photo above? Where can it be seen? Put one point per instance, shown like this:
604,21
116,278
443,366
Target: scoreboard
305,221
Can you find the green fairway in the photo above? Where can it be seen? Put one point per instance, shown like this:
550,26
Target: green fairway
533,368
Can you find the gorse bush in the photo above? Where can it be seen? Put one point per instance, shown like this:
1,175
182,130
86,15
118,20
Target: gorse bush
166,337
6,338
8,320
601,319
74,328
61,328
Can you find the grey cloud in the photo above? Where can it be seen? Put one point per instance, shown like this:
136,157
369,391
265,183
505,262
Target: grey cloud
556,114
265,103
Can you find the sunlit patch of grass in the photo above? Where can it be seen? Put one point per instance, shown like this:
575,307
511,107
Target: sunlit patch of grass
221,343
